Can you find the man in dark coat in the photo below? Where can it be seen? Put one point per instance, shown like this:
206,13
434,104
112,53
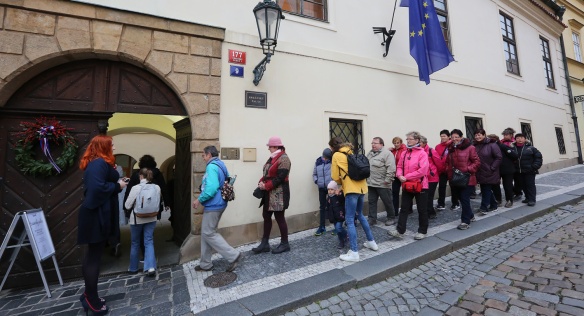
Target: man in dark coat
528,162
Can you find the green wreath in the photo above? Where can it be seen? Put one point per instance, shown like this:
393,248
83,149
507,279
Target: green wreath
44,132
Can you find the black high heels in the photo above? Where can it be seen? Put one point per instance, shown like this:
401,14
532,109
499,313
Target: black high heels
87,307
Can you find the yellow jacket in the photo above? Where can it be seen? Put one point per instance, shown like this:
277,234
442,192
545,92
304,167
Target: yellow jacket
349,185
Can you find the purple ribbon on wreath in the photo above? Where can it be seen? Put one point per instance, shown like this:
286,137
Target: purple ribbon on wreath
44,133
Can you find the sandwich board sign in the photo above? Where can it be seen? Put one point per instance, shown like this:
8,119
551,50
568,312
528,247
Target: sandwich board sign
35,234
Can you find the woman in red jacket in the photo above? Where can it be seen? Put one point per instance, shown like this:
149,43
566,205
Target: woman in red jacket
435,167
463,156
398,149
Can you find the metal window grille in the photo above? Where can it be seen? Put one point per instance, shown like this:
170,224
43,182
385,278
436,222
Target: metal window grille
547,63
526,130
560,137
509,45
313,9
472,124
348,130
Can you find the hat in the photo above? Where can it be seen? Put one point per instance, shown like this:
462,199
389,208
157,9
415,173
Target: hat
327,153
274,141
332,185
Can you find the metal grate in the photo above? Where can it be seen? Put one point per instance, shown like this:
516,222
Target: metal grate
472,124
526,130
560,137
348,130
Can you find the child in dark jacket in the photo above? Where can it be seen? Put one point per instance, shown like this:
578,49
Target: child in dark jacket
335,211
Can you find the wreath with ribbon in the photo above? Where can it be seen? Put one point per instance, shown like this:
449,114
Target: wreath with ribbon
45,132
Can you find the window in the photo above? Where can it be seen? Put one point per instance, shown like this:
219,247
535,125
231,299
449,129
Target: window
348,130
314,9
547,63
526,130
577,51
560,137
441,10
509,45
472,124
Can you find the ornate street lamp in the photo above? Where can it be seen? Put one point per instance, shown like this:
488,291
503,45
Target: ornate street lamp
268,15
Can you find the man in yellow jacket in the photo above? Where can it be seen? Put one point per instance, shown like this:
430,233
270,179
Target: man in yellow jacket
354,191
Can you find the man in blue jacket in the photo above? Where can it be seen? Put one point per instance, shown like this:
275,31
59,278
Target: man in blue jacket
214,205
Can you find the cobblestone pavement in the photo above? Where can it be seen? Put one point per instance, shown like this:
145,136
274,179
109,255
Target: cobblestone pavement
533,269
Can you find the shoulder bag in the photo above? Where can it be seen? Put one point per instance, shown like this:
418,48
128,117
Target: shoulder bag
459,179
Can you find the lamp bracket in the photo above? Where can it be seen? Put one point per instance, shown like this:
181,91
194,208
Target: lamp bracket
258,71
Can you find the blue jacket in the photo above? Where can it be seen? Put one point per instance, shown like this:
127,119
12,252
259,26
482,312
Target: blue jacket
321,175
213,180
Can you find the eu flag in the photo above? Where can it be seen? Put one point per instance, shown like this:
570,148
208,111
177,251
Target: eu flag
427,44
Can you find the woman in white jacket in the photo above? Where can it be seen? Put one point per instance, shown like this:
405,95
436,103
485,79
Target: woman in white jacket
142,222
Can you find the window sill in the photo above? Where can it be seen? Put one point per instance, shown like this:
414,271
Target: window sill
514,76
308,21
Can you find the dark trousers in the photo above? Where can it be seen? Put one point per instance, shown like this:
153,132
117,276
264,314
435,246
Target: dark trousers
487,197
517,187
385,194
527,183
395,187
508,186
442,189
496,192
455,196
322,193
464,199
430,199
407,202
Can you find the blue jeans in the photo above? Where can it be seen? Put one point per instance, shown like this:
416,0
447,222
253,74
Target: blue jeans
354,208
149,257
464,199
341,232
487,196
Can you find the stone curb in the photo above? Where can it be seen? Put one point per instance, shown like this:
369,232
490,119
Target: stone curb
391,263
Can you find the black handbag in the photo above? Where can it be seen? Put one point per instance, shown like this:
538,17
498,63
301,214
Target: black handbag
259,193
459,179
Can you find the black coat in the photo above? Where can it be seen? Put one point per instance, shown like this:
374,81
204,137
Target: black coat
335,208
158,179
100,202
509,156
529,159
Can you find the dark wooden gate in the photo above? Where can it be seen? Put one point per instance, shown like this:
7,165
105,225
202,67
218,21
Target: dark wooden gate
181,223
78,94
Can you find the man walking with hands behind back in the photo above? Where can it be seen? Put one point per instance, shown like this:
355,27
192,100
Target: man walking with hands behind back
382,169
210,198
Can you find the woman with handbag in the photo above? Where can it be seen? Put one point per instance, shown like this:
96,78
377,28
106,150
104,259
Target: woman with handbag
488,174
276,195
462,165
411,171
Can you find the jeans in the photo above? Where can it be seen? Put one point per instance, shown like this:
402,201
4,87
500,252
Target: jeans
341,232
487,197
395,187
464,199
354,209
442,189
430,198
407,200
149,257
322,193
385,195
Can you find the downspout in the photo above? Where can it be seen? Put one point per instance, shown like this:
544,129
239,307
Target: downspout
559,11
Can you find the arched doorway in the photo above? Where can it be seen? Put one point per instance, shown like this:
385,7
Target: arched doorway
79,94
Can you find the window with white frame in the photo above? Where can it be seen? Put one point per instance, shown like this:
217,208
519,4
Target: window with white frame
314,9
547,63
509,44
577,50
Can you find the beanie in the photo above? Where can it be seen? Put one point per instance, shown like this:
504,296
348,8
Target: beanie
332,185
327,153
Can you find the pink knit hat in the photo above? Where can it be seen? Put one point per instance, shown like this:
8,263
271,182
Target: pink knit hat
274,141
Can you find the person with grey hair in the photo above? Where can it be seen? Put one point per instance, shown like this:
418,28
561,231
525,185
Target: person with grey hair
214,206
382,173
411,171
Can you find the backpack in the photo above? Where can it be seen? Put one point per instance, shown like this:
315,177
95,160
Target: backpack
148,201
227,190
358,167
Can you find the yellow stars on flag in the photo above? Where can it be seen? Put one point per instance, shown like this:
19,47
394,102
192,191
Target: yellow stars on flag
412,34
425,4
426,16
423,26
420,33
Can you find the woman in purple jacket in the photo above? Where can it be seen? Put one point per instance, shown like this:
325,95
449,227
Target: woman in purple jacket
488,173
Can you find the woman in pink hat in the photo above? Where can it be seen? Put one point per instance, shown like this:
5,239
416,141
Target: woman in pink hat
276,198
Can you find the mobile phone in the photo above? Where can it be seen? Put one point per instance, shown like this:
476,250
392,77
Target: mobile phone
126,180
232,180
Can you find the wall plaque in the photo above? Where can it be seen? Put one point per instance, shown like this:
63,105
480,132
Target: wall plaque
256,99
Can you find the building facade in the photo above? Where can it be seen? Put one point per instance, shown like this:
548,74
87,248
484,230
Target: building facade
327,78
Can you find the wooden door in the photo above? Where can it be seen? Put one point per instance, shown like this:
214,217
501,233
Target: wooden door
181,223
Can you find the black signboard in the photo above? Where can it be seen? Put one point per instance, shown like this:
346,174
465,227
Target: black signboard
256,99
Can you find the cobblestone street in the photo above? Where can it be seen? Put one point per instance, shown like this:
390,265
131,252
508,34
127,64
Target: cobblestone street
532,269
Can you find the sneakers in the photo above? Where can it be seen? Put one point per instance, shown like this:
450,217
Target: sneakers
151,272
517,197
509,204
463,226
350,256
531,203
493,209
454,207
320,231
233,265
395,233
371,245
390,222
482,212
473,219
440,208
199,268
525,201
419,236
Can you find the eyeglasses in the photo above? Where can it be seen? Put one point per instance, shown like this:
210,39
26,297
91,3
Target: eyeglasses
410,139
375,143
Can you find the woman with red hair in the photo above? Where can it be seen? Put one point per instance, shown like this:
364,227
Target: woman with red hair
102,184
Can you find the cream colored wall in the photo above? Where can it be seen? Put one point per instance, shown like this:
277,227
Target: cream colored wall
137,145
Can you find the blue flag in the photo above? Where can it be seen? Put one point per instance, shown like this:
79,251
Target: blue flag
427,44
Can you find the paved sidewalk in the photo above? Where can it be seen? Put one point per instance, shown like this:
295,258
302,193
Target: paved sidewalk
275,284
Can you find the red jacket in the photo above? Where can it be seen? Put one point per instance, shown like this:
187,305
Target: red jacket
464,158
398,153
443,153
436,165
414,165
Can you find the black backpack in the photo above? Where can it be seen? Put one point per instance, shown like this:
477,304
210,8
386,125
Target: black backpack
358,167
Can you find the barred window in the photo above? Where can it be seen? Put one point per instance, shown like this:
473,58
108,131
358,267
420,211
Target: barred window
547,63
509,44
442,12
526,130
472,124
314,9
348,130
577,50
560,137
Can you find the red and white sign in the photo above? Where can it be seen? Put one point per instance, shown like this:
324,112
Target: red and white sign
236,57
